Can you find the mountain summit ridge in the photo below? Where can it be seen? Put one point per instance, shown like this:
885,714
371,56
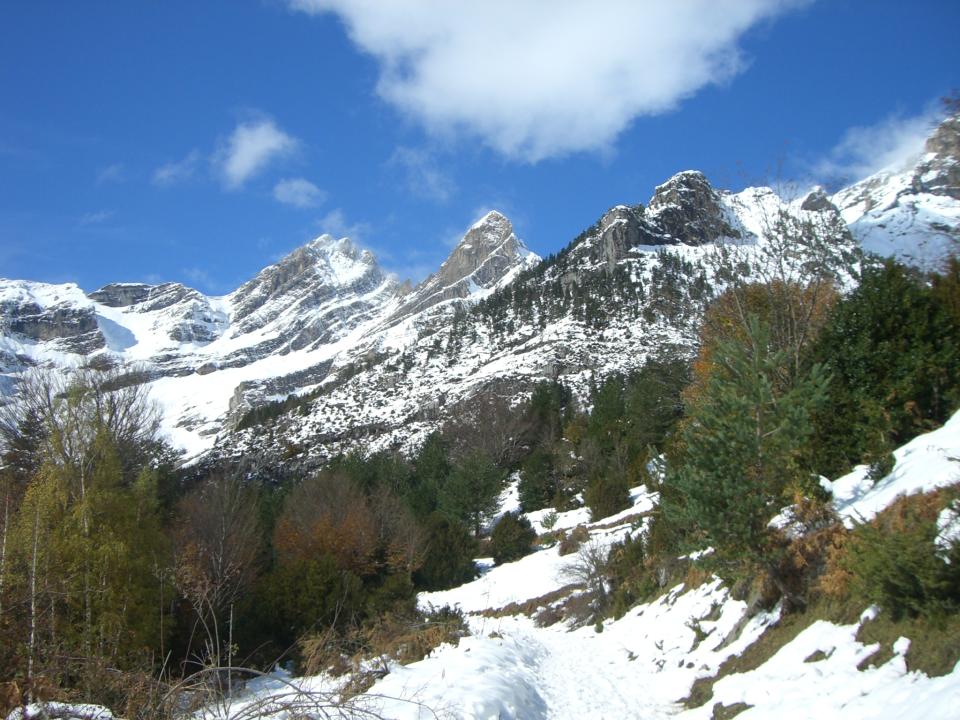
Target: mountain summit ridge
385,364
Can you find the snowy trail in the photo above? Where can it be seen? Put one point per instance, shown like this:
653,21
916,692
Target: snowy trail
575,683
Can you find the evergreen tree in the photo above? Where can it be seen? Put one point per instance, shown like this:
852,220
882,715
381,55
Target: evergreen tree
472,491
893,349
512,538
539,483
739,447
448,556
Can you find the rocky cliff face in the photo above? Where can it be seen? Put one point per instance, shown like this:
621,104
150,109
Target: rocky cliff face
911,212
688,210
57,316
489,255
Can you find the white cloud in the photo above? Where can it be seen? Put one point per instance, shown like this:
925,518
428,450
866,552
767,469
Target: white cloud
175,172
891,144
114,173
298,192
335,223
249,149
423,176
202,280
534,80
95,218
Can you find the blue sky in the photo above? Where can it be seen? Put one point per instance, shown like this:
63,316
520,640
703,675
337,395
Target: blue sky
200,141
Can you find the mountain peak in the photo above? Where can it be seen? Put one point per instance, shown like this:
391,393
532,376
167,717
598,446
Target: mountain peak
492,219
487,251
488,256
688,209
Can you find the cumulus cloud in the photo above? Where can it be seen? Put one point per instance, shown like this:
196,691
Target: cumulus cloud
175,172
891,144
249,149
422,174
298,192
534,80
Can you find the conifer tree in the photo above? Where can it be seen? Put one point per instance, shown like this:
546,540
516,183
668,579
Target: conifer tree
740,445
472,491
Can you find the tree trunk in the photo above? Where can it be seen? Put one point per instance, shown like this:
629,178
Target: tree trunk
31,644
3,549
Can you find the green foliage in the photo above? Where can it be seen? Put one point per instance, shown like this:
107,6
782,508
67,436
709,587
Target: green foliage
893,562
300,596
512,538
472,490
431,470
94,556
379,470
893,349
539,481
740,446
606,495
393,593
549,408
448,555
630,580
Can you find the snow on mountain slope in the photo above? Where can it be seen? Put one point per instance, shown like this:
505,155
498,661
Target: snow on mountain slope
488,257
633,285
911,212
927,462
382,366
213,358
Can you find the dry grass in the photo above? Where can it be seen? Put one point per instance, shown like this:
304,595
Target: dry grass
531,606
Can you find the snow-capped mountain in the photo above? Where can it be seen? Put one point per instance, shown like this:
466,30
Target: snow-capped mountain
488,257
213,358
912,211
631,286
377,364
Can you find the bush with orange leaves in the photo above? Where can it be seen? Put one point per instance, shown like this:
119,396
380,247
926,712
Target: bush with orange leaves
893,561
365,535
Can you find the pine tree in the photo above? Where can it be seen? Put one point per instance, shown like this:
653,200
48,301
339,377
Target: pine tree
472,491
740,446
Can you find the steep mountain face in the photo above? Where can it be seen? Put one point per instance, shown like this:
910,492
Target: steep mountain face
319,290
487,257
215,358
376,364
633,285
911,212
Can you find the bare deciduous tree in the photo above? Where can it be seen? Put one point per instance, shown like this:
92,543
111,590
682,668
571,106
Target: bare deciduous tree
218,544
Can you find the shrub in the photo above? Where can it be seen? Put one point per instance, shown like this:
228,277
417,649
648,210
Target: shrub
892,561
591,569
606,495
512,538
572,542
630,580
448,558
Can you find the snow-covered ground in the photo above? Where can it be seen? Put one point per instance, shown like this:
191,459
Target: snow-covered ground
643,664
927,462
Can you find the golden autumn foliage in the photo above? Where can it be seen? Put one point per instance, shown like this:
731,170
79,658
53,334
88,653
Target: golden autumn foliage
794,313
328,515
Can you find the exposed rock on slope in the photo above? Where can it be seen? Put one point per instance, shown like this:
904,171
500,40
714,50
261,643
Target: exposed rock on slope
911,212
380,364
487,257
